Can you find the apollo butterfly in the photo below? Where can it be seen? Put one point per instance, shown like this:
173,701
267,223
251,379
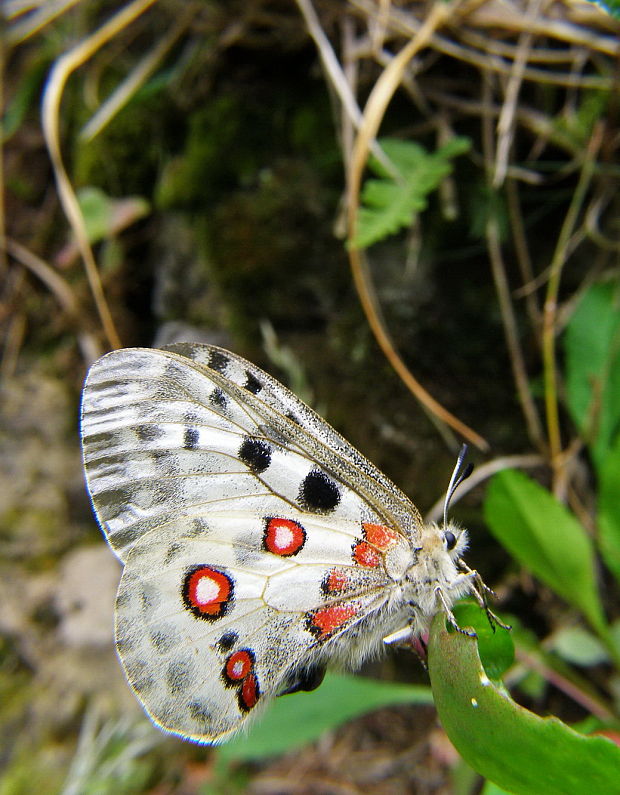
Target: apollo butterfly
258,545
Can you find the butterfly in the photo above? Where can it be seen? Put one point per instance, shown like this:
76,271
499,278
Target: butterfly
258,545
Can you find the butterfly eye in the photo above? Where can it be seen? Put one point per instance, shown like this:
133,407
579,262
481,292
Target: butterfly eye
450,539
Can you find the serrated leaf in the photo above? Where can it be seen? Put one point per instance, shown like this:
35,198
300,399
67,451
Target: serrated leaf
339,699
592,345
391,203
505,743
545,538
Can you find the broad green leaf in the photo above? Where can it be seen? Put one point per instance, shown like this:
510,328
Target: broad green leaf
578,646
495,645
512,747
609,509
390,204
592,345
301,718
545,538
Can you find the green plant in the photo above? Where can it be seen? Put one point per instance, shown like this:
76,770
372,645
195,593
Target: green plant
548,538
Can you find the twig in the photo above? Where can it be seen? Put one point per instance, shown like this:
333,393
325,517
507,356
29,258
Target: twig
57,80
138,76
374,111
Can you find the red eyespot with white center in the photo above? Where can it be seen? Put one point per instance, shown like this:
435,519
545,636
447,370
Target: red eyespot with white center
325,621
238,665
283,537
208,592
239,672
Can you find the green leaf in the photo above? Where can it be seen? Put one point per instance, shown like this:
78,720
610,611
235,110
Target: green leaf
545,537
609,509
105,216
495,644
512,747
300,718
391,203
578,646
592,345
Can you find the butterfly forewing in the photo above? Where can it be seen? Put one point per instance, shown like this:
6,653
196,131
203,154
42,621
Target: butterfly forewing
253,535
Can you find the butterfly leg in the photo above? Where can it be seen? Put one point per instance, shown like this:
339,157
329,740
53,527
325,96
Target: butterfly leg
480,591
450,615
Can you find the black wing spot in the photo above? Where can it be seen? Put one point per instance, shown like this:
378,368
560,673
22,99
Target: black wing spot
179,677
218,361
148,433
318,492
201,713
227,641
255,454
191,438
218,399
252,384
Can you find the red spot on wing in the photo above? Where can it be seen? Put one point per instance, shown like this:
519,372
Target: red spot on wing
207,592
283,537
379,535
249,693
377,539
366,555
323,622
335,582
238,665
238,672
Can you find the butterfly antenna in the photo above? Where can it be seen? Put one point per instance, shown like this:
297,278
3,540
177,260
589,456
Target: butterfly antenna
457,478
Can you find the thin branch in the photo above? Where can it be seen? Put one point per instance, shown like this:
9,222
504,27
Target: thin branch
374,111
52,97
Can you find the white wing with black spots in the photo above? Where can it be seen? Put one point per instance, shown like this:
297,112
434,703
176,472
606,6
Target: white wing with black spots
258,544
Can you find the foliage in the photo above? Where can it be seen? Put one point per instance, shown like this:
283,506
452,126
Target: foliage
508,744
392,202
339,698
548,539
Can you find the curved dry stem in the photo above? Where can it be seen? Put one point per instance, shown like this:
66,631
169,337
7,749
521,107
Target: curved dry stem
374,111
138,76
61,71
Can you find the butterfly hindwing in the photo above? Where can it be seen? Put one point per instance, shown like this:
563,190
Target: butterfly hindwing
214,620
